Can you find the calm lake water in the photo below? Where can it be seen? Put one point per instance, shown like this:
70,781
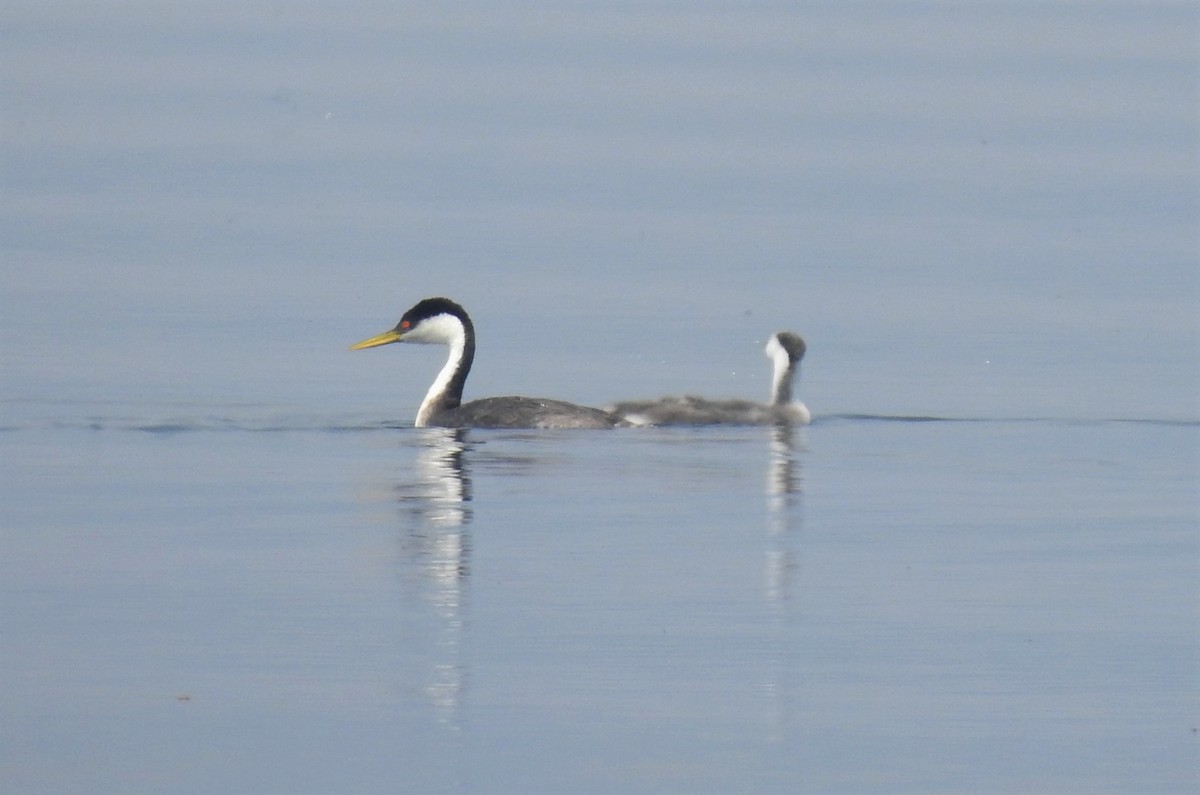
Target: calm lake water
863,604
228,564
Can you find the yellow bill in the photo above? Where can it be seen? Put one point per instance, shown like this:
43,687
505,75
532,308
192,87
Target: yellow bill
381,339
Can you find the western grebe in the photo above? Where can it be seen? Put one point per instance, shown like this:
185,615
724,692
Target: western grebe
784,349
440,320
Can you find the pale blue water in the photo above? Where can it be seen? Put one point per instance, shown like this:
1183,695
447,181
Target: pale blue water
870,604
227,564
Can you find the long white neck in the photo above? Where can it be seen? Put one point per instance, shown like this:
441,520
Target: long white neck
446,391
435,398
781,380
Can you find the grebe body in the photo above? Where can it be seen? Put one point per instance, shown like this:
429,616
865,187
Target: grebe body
442,321
784,349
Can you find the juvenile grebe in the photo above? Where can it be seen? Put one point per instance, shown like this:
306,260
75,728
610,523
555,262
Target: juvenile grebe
440,320
784,349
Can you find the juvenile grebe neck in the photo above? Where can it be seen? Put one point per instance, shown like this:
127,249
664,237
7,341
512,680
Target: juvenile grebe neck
785,350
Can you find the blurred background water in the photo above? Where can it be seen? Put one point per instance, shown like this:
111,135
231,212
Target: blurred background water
227,564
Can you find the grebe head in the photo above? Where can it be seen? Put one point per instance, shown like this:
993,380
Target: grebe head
431,321
786,344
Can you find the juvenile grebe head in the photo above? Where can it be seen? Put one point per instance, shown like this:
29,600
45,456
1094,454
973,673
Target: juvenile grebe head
788,345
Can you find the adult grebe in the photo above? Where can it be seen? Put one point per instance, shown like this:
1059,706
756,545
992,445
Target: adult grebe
784,349
440,320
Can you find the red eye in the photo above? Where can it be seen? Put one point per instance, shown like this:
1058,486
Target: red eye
404,324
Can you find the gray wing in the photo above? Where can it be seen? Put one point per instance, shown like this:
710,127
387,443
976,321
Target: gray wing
524,412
